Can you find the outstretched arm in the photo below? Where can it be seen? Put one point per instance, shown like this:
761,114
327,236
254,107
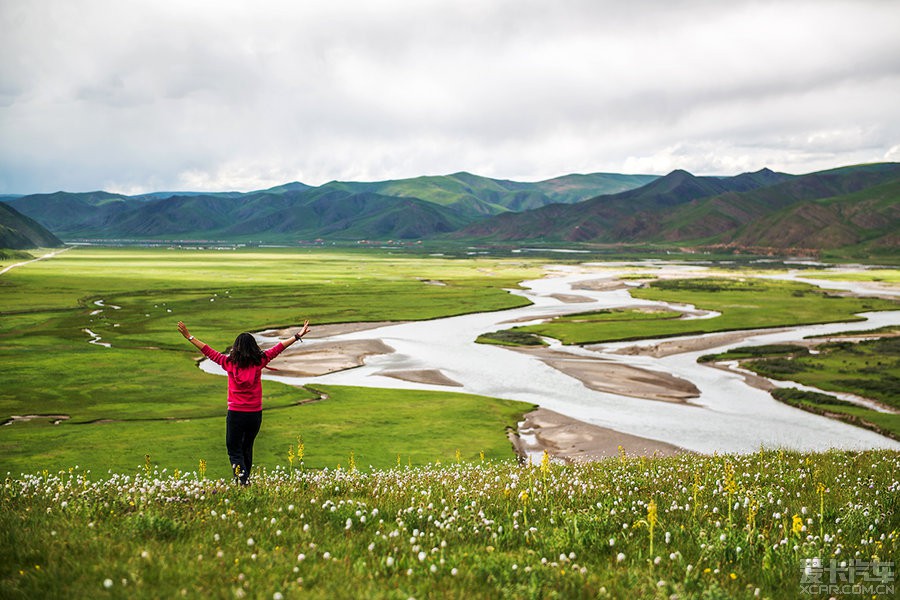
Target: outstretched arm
187,335
297,336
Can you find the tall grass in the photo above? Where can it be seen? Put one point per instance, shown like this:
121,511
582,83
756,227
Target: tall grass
687,526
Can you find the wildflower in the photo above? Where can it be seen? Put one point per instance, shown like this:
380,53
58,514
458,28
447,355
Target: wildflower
454,571
620,557
390,561
612,541
422,556
797,525
250,541
301,557
651,521
277,596
107,583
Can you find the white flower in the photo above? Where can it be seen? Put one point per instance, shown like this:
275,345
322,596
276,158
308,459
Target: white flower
277,596
612,541
107,583
422,556
620,557
250,541
390,561
453,571
301,557
326,555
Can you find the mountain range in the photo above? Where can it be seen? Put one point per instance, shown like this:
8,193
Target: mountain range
855,209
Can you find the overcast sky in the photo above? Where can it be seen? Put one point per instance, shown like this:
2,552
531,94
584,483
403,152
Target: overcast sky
142,95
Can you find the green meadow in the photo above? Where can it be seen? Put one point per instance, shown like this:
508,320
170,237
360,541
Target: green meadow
764,525
145,395
382,493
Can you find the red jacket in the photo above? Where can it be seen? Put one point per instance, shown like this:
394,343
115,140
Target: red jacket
244,385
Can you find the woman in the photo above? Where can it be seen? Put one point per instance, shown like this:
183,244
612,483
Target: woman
244,366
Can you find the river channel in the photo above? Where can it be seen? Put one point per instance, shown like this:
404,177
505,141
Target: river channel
728,416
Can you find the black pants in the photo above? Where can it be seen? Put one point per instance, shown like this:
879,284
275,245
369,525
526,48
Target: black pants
240,431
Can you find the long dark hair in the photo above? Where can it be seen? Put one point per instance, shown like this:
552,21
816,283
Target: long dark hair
245,352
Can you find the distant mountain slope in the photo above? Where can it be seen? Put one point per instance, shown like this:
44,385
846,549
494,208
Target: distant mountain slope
627,216
855,208
20,232
718,218
474,196
58,210
414,208
850,207
868,219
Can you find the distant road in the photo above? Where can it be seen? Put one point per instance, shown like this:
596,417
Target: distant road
48,255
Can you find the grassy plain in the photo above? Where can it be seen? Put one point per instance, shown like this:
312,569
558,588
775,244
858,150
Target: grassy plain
712,527
744,303
144,394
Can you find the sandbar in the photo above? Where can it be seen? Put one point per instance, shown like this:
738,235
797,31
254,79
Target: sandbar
312,360
571,440
688,344
429,376
615,378
571,298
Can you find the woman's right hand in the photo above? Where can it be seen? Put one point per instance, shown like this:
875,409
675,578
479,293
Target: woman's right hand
184,330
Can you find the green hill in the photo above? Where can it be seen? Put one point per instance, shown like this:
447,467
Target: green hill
850,211
420,207
18,232
854,211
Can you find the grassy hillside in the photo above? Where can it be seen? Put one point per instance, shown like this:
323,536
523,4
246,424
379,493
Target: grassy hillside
630,216
18,232
866,219
414,208
736,527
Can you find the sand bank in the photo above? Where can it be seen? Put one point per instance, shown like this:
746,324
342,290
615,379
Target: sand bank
312,360
615,378
688,344
570,440
429,376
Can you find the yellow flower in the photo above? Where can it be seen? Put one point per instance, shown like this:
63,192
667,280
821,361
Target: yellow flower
796,525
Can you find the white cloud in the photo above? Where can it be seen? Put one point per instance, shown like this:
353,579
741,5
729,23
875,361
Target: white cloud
238,95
